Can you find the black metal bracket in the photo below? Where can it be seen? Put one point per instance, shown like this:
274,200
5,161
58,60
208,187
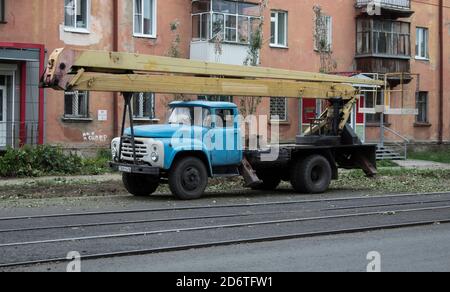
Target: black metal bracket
128,96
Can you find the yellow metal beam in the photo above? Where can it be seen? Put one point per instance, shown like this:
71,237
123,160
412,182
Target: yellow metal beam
148,63
208,86
65,61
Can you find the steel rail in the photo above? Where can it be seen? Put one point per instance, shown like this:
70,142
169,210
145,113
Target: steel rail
222,226
220,206
232,242
111,223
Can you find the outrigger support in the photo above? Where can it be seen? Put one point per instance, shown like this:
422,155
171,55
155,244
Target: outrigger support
134,166
128,96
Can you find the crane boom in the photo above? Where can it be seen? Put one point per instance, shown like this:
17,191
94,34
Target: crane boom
124,72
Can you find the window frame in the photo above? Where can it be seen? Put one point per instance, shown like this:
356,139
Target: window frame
329,36
425,108
142,116
366,30
218,117
2,11
274,39
153,34
422,32
77,116
217,17
286,117
74,28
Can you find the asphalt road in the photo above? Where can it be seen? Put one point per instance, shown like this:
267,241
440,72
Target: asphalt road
160,225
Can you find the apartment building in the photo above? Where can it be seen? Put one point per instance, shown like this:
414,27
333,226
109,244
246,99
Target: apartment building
353,37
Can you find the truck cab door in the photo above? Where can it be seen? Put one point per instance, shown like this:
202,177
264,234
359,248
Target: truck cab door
226,139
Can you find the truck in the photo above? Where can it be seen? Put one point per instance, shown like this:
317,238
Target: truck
184,152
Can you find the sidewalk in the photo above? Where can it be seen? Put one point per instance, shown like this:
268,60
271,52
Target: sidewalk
84,178
422,164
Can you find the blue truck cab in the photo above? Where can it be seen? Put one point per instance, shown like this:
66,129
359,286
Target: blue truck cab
200,140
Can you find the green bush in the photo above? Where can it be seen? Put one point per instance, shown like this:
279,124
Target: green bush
49,160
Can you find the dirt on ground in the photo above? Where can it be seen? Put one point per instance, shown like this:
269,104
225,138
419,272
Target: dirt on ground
389,180
82,189
66,187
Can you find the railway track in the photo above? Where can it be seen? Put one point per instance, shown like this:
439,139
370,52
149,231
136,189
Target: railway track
220,206
443,210
93,224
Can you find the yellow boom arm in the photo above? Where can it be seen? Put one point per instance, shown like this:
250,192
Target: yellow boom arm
124,72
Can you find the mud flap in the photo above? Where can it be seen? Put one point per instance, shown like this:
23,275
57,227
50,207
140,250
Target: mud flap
366,165
249,174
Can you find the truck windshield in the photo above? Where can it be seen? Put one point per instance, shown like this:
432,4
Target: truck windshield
189,116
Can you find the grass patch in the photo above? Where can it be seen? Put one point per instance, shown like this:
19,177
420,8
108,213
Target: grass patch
386,163
442,156
395,181
47,160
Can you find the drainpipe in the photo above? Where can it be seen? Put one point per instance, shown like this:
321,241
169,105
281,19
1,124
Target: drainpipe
116,49
441,73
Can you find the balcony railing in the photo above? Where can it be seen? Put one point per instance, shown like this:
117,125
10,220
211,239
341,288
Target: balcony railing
395,4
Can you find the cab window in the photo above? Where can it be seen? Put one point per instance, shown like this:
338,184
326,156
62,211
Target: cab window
224,118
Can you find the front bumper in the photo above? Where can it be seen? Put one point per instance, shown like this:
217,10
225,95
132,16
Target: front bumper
133,168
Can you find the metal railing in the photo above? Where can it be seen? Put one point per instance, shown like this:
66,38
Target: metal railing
398,4
15,134
399,147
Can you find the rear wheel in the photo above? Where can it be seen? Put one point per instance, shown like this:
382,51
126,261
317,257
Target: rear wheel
188,178
140,185
269,181
311,175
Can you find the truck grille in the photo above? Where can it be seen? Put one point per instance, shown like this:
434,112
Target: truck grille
127,150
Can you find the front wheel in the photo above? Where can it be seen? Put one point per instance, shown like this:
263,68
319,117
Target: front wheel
140,185
188,178
311,175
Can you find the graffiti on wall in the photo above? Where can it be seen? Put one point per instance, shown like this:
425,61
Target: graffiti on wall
93,137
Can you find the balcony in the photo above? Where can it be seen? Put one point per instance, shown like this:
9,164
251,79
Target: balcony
385,8
222,30
383,46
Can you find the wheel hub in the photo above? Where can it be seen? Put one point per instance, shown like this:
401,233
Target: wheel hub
191,178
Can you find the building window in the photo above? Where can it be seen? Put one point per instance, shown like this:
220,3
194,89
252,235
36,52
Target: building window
76,104
422,43
278,28
323,39
422,107
76,14
227,21
278,109
144,106
371,102
2,11
145,18
383,37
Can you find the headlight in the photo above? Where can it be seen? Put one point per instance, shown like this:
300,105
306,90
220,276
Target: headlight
115,149
154,157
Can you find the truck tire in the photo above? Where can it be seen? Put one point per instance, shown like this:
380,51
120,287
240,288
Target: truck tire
140,185
311,175
188,178
269,182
